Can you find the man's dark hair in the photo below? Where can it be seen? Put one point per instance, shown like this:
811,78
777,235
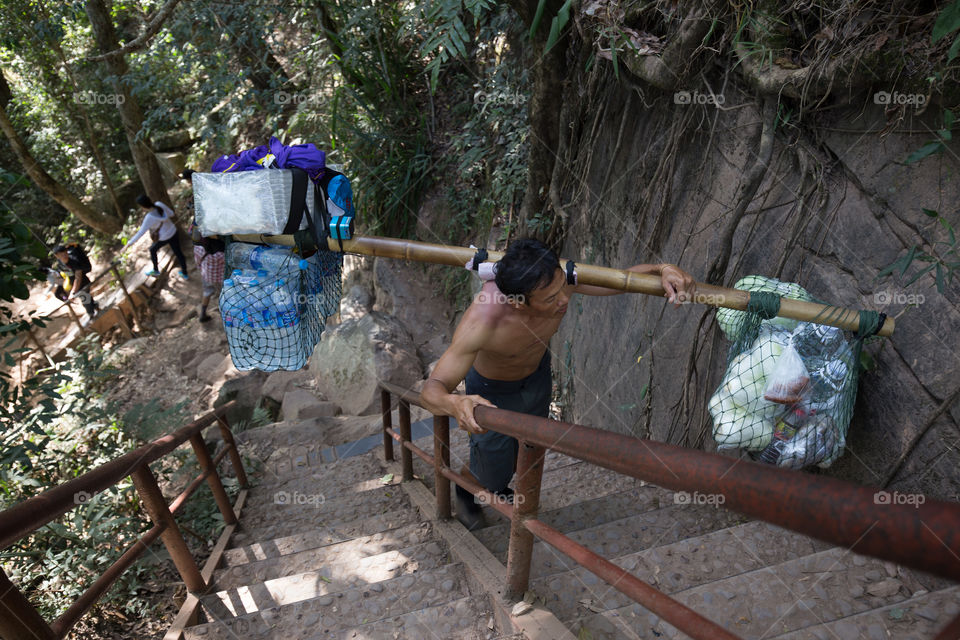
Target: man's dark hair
144,201
526,265
187,174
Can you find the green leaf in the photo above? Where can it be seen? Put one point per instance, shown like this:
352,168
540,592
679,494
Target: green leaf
947,22
948,117
954,49
613,55
931,213
537,17
918,274
926,150
908,260
557,25
949,227
940,284
867,363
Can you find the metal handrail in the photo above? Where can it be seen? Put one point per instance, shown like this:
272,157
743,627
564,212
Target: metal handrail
821,507
18,616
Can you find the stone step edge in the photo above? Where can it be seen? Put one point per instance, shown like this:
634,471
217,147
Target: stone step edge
909,602
350,523
284,609
482,600
361,540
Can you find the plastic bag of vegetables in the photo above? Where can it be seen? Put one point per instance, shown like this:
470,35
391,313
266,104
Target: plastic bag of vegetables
788,392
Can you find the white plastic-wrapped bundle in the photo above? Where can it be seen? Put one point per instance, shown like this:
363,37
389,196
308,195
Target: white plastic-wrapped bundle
243,201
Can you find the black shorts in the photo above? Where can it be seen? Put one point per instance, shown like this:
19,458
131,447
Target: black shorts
493,456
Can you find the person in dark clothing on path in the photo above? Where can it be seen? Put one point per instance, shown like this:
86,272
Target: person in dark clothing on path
159,222
70,276
500,350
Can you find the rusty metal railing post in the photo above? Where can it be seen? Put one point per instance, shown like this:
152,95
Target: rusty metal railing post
387,424
526,503
235,459
406,457
156,507
213,480
123,287
441,461
40,348
18,618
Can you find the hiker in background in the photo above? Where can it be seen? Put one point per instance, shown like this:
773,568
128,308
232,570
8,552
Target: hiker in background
208,255
159,222
69,276
501,350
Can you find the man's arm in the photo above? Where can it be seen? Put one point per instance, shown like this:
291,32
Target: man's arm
437,393
77,274
678,285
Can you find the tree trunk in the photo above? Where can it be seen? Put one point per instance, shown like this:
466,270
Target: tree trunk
130,113
546,100
96,220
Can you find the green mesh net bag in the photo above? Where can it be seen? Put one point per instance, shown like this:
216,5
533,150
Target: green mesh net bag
275,303
789,388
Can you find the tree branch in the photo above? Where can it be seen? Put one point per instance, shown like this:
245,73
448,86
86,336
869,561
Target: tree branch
144,38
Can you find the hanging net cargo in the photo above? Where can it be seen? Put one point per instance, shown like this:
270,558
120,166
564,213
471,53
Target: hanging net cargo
789,389
275,303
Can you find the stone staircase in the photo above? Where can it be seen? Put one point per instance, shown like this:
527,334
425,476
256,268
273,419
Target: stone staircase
331,546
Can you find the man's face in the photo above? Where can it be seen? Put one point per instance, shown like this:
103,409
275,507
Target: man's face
550,301
62,256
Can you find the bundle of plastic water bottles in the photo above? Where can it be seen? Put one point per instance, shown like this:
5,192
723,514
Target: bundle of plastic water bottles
274,304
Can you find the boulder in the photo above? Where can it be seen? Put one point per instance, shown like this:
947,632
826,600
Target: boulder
353,358
404,290
246,390
279,382
357,302
212,368
300,404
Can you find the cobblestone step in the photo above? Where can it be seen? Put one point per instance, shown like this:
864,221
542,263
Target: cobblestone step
274,552
792,595
307,462
582,514
309,531
463,619
676,566
918,618
253,593
336,612
320,501
627,535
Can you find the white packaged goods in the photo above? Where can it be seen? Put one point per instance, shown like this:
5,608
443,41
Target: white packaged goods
243,201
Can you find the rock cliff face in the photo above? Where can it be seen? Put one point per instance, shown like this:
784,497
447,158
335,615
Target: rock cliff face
660,182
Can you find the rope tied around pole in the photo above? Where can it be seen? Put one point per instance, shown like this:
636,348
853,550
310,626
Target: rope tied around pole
764,303
870,323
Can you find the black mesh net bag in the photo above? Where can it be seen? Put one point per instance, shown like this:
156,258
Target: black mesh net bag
275,303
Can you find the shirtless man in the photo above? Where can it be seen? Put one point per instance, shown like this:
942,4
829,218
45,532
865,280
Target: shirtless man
500,349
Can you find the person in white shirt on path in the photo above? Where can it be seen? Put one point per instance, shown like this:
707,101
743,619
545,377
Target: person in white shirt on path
159,222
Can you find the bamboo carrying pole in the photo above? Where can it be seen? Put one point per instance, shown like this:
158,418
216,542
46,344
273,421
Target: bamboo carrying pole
848,319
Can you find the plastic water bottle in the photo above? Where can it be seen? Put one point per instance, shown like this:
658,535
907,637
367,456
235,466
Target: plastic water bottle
284,306
273,259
